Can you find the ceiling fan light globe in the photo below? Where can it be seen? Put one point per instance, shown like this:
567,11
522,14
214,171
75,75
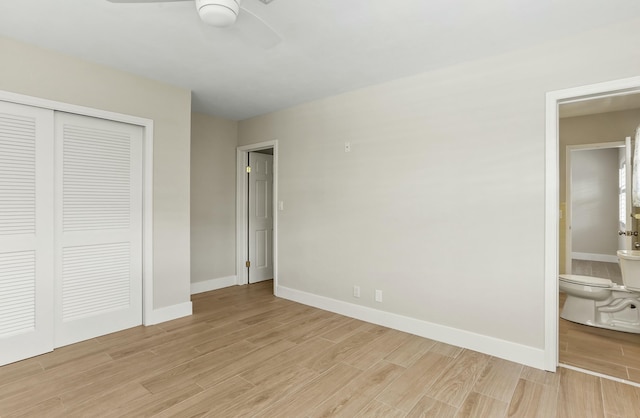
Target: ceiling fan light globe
219,13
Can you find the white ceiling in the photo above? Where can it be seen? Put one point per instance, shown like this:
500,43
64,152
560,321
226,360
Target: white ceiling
328,47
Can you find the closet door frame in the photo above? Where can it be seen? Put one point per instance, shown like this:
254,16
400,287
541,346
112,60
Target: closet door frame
147,180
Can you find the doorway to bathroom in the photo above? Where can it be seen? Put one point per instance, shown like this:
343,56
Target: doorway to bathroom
593,119
596,212
595,201
257,213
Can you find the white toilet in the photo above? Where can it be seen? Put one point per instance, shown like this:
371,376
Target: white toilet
603,303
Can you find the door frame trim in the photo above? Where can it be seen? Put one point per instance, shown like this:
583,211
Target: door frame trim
147,179
242,210
552,170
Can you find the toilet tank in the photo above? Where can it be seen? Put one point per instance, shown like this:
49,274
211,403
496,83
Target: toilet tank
630,268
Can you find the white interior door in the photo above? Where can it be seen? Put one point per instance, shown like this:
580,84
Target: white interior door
98,247
260,217
26,232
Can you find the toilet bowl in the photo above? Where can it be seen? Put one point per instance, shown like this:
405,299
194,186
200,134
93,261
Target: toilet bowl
602,303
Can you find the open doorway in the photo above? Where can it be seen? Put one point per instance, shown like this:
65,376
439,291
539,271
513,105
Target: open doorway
595,99
593,206
257,213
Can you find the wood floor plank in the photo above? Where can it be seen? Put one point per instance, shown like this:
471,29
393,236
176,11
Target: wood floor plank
331,322
50,383
110,376
533,400
20,370
410,350
262,397
498,379
277,314
620,399
446,349
131,335
239,334
354,396
298,356
153,403
409,387
634,374
341,350
377,409
308,397
481,406
541,377
580,395
210,402
115,396
49,408
190,331
190,371
595,364
262,355
456,382
307,327
387,341
349,327
70,353
428,407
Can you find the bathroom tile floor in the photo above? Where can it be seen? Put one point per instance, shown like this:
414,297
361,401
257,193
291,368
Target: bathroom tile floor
613,353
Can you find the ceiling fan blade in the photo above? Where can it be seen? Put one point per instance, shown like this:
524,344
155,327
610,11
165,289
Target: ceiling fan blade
144,1
252,29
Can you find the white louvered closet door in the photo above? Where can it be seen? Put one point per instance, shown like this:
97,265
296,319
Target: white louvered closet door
98,247
26,232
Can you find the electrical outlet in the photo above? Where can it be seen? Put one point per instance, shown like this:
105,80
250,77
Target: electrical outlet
378,295
356,291
347,147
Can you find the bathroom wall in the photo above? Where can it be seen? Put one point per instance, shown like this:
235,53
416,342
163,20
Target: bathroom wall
213,201
440,203
589,129
594,204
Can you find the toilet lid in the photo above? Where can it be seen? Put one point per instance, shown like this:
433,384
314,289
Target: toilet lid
586,280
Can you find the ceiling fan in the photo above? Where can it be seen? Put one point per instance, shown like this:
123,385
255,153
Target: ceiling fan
226,13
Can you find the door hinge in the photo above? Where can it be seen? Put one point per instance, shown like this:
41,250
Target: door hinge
248,264
248,169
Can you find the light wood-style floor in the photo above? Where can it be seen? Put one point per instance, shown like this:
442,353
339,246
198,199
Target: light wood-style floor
246,353
613,353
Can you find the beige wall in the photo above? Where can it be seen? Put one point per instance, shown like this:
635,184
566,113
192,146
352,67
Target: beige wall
32,71
440,204
590,129
213,194
593,129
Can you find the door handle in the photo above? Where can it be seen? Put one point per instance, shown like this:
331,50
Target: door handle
628,233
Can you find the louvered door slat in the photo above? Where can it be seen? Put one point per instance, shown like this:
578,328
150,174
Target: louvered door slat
97,171
17,292
18,169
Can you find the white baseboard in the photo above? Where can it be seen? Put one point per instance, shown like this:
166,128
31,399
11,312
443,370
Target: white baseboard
606,258
213,284
168,313
530,356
